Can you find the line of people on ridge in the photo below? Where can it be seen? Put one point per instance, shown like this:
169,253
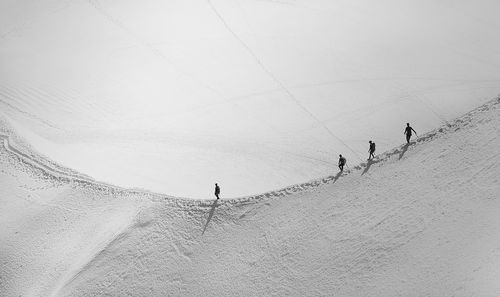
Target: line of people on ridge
371,150
343,161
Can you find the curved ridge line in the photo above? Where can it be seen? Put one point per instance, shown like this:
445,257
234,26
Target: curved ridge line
7,145
275,193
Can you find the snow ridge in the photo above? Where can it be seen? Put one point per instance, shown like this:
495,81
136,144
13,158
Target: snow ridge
66,174
416,221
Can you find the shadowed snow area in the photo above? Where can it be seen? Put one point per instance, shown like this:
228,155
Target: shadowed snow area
172,96
419,220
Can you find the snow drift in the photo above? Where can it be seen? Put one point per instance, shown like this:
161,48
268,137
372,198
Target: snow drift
420,220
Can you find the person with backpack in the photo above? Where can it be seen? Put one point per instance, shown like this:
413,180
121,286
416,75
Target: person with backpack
407,132
371,150
342,162
217,190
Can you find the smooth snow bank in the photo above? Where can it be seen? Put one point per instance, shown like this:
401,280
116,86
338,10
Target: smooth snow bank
421,220
253,94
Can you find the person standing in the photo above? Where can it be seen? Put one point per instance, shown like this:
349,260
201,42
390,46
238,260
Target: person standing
342,162
217,190
371,150
408,131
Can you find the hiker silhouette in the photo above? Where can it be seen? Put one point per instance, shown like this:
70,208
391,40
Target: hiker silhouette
342,162
217,190
371,150
408,131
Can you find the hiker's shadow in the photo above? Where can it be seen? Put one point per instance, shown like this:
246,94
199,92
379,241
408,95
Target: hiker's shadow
336,177
368,165
210,215
403,151
333,178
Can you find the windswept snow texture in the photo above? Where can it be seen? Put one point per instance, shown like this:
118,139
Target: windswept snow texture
173,96
420,220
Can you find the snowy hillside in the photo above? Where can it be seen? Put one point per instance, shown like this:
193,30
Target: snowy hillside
421,220
253,94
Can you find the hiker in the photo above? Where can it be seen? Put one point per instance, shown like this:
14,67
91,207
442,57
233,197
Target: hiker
371,150
342,162
217,190
408,130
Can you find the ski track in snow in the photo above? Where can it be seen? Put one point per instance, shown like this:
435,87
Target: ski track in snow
298,240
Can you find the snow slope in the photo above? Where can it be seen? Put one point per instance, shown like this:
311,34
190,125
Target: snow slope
253,94
420,220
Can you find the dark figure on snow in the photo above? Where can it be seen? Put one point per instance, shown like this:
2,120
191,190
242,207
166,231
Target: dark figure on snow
217,191
342,162
408,130
371,150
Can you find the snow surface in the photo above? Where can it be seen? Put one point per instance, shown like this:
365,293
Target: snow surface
172,96
420,220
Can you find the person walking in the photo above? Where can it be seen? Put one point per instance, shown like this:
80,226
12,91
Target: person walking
408,131
342,162
371,150
217,190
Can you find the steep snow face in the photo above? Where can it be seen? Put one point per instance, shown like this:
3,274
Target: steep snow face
252,94
420,220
